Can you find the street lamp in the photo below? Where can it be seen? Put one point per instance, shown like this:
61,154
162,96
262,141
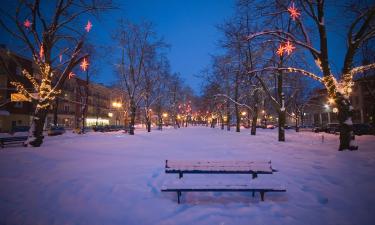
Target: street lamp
243,113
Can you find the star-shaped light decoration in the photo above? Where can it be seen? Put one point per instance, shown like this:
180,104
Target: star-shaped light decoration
84,64
288,47
71,75
280,50
294,13
27,24
41,52
88,26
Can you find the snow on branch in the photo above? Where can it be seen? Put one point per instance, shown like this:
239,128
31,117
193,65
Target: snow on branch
235,102
291,70
286,36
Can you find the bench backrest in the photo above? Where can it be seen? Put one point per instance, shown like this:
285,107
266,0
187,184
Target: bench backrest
232,165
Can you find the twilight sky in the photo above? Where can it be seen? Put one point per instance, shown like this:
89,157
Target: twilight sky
188,26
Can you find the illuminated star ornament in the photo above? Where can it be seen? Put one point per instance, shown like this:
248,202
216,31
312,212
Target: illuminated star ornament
288,47
84,64
71,75
280,50
27,24
88,26
293,12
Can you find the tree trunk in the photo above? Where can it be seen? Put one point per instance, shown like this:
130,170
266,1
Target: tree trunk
133,111
36,130
345,113
254,122
281,125
55,111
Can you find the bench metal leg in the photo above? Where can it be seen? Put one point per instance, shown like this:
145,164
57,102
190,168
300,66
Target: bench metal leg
262,195
178,196
180,175
255,175
253,194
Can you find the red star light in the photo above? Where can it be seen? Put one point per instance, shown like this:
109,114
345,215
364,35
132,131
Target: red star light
84,64
293,12
88,26
71,75
288,47
27,24
280,50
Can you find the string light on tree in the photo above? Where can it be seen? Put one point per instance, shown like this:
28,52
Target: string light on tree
41,52
293,11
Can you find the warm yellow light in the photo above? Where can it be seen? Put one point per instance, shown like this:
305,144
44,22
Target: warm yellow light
293,114
116,104
165,114
335,110
263,111
331,100
178,117
110,114
243,113
225,118
350,90
271,117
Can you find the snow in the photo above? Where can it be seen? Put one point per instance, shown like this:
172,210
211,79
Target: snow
114,178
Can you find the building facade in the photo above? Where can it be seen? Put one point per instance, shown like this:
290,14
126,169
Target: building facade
105,105
319,111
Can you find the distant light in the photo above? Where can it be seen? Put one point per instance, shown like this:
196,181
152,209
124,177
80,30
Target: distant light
326,106
243,113
335,110
110,114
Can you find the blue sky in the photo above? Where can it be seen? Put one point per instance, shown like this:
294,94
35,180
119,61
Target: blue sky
188,26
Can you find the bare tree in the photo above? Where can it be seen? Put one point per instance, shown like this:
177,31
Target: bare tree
359,30
55,47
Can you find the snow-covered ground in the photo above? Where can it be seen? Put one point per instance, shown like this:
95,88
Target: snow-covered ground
113,178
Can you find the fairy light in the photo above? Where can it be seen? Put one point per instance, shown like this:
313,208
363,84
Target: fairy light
318,63
41,51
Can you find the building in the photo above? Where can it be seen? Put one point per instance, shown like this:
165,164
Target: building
106,105
319,111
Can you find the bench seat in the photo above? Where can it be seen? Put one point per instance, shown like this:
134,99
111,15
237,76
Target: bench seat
12,140
219,167
253,187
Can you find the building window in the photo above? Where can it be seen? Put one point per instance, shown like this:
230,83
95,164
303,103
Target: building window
66,108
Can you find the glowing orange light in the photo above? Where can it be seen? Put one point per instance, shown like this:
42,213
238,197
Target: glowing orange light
293,12
41,51
88,26
27,23
280,50
288,47
71,75
84,64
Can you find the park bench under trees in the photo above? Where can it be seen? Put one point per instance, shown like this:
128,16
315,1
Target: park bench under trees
220,167
13,140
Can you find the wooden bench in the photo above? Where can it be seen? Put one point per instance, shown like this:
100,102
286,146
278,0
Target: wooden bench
13,140
247,187
219,167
